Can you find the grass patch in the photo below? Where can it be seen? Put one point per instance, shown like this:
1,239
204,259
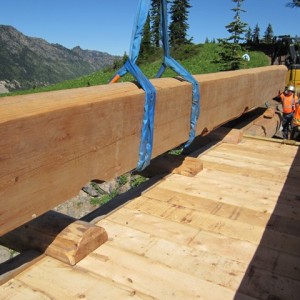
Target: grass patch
137,180
197,59
98,201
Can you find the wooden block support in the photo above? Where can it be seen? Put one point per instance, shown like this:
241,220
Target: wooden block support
269,113
265,125
175,164
52,144
57,235
190,167
227,135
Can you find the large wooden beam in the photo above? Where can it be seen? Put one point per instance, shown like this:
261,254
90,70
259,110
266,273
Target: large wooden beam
52,144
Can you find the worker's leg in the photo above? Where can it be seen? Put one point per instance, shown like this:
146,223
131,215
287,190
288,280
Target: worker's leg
286,122
285,126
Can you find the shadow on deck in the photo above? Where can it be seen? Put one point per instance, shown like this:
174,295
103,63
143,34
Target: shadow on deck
274,272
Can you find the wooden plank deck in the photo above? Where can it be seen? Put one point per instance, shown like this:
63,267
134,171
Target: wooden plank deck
230,232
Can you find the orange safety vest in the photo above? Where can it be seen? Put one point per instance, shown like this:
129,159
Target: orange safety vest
296,119
288,104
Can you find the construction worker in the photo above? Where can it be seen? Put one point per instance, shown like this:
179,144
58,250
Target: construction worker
288,101
296,122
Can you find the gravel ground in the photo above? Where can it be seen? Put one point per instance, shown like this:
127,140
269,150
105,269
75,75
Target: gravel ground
5,254
3,89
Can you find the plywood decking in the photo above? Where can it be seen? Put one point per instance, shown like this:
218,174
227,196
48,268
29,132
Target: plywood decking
230,232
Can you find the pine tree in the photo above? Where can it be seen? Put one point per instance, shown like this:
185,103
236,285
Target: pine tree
179,25
269,34
294,3
255,35
236,27
146,48
155,21
248,35
230,53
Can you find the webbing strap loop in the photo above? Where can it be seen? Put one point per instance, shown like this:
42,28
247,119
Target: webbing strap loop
180,70
138,28
130,66
148,118
146,142
195,111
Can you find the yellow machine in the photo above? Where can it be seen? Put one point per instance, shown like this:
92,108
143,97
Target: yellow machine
293,77
286,52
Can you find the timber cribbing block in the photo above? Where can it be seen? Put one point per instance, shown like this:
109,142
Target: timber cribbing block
265,125
52,144
175,164
227,135
59,236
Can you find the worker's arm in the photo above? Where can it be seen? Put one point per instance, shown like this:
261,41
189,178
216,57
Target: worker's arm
281,96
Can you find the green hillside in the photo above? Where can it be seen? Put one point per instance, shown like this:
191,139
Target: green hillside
197,59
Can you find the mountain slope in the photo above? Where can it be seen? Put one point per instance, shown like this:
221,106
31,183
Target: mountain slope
28,62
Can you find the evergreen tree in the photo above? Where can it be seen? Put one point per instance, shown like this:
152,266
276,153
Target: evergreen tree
230,53
119,62
179,25
146,48
255,35
294,3
237,27
155,20
269,34
248,35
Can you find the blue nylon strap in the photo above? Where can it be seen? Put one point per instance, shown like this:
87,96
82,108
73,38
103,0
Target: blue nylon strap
175,66
148,119
195,111
123,71
164,27
130,66
138,28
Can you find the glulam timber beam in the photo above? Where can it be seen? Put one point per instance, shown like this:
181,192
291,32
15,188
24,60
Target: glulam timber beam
53,143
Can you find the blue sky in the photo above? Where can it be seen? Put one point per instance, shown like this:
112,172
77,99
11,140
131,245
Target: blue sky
106,25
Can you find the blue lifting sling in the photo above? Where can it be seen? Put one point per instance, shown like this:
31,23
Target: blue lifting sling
146,143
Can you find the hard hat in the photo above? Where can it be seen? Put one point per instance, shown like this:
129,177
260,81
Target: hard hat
291,88
246,57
